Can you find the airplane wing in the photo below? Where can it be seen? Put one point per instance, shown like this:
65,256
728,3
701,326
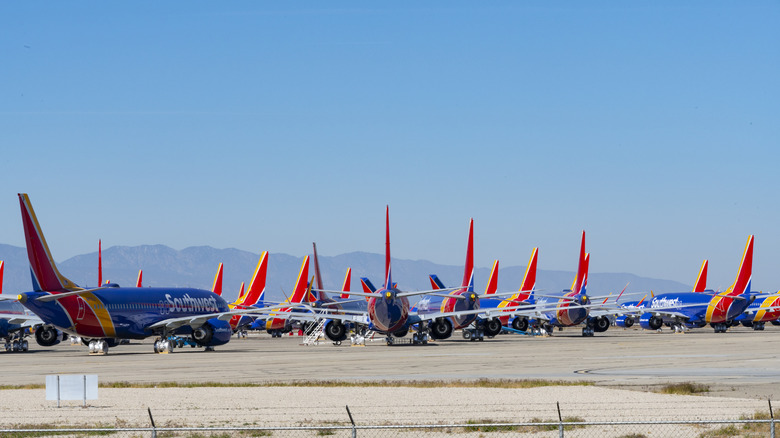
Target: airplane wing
196,321
24,320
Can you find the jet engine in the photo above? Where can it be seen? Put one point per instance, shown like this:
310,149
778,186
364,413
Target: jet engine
47,336
213,332
625,321
600,324
401,333
520,323
441,328
648,321
335,330
491,327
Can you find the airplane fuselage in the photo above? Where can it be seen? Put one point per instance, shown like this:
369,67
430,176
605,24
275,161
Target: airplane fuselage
127,313
437,304
390,313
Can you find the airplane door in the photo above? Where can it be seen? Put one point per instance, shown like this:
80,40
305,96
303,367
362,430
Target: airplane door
82,309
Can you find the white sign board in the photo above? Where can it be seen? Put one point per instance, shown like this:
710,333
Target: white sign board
72,387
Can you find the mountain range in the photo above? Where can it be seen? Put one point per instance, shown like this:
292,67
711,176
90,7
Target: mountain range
196,266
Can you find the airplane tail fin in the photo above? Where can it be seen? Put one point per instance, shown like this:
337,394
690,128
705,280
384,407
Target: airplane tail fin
742,283
345,287
492,284
140,279
436,284
301,284
100,263
45,275
2,268
388,276
240,293
701,280
468,268
256,292
317,269
529,279
217,286
578,286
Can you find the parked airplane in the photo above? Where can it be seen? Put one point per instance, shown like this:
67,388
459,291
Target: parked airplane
697,309
255,296
14,321
104,314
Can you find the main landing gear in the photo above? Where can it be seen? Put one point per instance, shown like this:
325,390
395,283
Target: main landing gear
16,344
587,331
166,345
473,334
98,347
720,328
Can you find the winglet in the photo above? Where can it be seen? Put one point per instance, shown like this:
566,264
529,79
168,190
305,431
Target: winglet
345,287
46,277
742,283
492,284
139,280
701,280
256,291
388,277
217,286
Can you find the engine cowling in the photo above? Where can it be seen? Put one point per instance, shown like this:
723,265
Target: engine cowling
624,321
441,328
491,327
648,321
401,333
600,324
335,330
48,336
520,323
213,332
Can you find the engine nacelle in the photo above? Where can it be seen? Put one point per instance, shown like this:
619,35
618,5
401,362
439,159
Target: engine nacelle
441,328
401,333
624,321
491,327
600,324
648,321
213,332
335,330
48,336
520,323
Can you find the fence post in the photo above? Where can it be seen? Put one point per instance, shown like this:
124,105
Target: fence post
560,420
772,419
154,428
354,431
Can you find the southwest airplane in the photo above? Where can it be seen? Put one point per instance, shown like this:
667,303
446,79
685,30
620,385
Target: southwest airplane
105,314
253,298
281,321
697,309
14,321
389,311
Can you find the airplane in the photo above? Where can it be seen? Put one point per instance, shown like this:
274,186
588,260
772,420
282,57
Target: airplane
759,312
14,321
628,320
254,297
697,309
281,321
105,314
389,312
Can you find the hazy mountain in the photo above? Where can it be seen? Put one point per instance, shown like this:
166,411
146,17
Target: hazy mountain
196,267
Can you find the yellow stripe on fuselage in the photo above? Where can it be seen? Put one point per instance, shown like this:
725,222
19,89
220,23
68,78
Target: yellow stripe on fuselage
100,310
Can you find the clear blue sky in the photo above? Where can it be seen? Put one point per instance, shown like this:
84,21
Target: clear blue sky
653,125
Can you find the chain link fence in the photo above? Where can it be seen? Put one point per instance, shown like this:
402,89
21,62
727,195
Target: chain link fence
748,428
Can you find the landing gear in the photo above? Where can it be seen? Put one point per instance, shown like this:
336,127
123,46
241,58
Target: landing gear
164,346
390,340
758,326
420,338
473,334
98,347
678,328
720,328
587,331
16,344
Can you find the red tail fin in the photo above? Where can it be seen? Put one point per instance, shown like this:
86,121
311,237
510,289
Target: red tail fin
100,263
2,268
701,280
44,270
388,276
742,283
492,284
301,283
139,280
257,285
240,293
217,286
345,287
529,279
582,269
468,270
